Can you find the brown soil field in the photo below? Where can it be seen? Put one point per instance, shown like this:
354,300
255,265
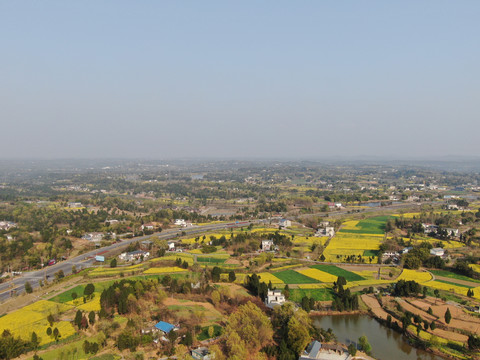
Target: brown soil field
460,320
414,310
375,307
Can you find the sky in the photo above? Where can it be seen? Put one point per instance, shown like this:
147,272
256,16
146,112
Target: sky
239,79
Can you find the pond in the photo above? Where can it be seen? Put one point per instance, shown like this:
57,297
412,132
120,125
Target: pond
386,343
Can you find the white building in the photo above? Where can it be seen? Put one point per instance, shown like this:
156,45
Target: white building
148,226
75,205
437,252
267,245
452,232
274,297
284,223
180,222
171,246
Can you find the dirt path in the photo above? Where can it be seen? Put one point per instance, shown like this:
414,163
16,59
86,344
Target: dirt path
458,281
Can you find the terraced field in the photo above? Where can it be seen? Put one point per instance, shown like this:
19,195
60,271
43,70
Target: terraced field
294,277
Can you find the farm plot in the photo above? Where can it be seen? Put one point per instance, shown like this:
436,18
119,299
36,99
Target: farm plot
34,318
318,275
375,225
266,277
323,294
343,245
164,270
294,277
335,270
418,276
451,275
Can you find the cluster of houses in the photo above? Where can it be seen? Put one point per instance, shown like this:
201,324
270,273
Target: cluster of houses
134,255
395,256
318,351
268,245
94,237
324,229
182,223
431,228
163,328
7,225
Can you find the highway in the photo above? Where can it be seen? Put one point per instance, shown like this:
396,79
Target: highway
17,285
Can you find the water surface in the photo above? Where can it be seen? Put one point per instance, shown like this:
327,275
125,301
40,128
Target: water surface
386,343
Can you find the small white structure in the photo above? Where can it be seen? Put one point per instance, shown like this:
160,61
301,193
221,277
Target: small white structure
338,205
437,251
452,232
180,222
274,297
112,221
429,228
148,226
406,250
267,245
324,224
284,223
171,246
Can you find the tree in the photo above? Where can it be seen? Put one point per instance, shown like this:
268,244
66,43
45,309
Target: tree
91,317
432,325
28,288
231,276
74,269
59,275
352,349
364,344
448,316
78,319
248,328
89,290
74,295
216,271
215,297
35,340
56,334
298,335
50,319
211,331
113,263
49,331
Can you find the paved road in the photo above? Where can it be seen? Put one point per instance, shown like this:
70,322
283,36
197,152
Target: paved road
17,285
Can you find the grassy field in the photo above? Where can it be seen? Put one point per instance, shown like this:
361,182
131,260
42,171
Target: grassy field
323,294
217,331
375,226
334,270
452,275
74,350
293,277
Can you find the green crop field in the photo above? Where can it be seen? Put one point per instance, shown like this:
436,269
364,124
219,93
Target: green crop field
325,294
293,277
452,275
375,225
370,253
213,260
334,270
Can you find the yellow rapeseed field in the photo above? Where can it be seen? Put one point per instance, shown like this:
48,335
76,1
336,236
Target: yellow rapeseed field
475,267
367,283
266,277
34,318
312,286
164,270
418,276
318,275
92,305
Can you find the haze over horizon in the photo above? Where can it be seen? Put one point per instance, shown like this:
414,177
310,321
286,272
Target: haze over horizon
119,79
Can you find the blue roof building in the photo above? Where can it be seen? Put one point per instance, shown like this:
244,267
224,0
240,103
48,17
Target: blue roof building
164,326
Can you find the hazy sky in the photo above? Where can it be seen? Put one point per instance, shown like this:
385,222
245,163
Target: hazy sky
166,79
